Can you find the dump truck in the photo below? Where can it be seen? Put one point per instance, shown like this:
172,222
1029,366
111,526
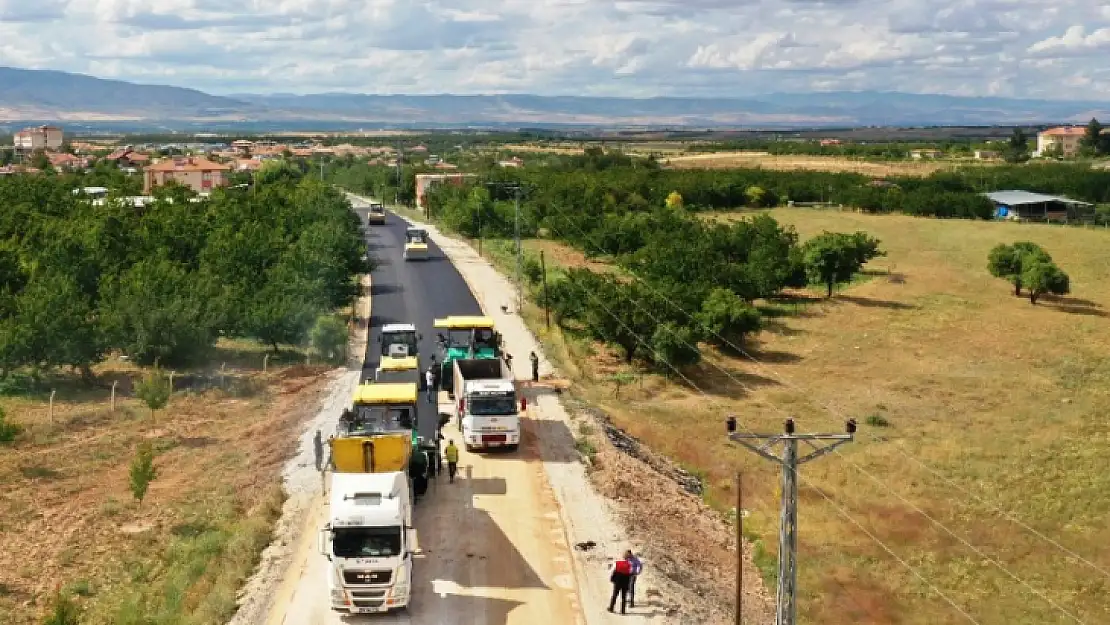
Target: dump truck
399,340
486,408
377,213
470,337
368,540
416,244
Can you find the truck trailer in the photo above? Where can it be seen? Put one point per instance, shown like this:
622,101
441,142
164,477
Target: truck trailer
368,541
486,408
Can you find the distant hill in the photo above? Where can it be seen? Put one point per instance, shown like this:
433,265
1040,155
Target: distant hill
52,95
47,94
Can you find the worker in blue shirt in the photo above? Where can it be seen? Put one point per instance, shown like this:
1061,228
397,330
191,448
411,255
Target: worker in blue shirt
637,566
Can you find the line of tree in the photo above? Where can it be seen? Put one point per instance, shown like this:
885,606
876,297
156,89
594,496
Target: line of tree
163,282
697,281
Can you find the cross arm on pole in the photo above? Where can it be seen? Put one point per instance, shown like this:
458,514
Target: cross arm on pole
838,440
762,450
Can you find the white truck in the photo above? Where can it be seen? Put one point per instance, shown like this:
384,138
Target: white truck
369,541
486,403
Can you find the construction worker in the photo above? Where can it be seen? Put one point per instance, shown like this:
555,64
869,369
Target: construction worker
637,567
430,381
318,450
535,367
452,454
620,578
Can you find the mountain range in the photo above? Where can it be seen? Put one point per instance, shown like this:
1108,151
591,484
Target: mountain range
47,95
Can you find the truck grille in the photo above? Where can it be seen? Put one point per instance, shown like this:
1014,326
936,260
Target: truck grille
493,438
367,577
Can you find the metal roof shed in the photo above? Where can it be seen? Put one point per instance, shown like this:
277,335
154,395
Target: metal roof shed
1033,206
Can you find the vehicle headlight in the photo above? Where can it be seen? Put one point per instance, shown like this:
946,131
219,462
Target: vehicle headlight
338,596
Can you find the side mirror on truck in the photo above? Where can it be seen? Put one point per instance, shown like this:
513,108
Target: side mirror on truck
322,543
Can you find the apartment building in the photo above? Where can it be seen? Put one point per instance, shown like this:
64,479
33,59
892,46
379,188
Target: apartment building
38,138
199,174
1063,141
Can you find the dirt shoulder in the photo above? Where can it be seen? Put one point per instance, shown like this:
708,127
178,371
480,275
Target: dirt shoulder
302,483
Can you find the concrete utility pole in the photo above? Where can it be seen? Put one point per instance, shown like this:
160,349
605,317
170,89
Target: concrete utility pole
787,607
519,284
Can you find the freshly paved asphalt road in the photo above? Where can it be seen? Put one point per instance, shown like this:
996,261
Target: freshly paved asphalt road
415,292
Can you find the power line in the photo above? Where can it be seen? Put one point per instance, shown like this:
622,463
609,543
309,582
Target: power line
978,551
829,408
796,476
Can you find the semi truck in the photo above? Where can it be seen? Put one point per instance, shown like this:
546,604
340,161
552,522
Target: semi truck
470,337
486,408
369,541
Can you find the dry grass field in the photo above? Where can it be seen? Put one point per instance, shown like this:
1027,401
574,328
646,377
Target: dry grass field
983,424
68,520
748,160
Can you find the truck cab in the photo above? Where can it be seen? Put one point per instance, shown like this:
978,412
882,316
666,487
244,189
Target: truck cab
487,404
470,337
399,340
368,541
416,244
377,213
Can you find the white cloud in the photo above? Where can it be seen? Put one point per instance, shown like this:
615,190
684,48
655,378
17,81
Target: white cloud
604,47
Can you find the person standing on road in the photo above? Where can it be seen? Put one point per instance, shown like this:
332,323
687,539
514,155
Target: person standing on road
535,367
318,450
622,574
637,566
430,384
452,454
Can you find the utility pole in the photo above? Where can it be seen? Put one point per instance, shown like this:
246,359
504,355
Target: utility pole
739,548
546,301
519,284
786,600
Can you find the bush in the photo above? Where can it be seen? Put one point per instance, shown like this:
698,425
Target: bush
328,338
142,471
63,611
8,431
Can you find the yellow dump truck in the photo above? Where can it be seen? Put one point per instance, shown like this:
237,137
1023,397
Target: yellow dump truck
377,434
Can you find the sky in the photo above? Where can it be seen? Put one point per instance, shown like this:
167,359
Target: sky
1053,49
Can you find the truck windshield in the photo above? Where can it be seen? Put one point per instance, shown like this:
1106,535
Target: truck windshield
377,208
366,542
488,406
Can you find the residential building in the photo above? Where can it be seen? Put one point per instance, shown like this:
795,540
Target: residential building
199,174
67,161
987,155
1062,141
126,157
426,181
39,138
512,162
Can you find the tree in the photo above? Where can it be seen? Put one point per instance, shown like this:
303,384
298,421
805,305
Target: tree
142,471
1017,149
674,200
727,319
1040,277
328,338
1094,142
833,258
1009,262
674,346
154,390
754,195
8,431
